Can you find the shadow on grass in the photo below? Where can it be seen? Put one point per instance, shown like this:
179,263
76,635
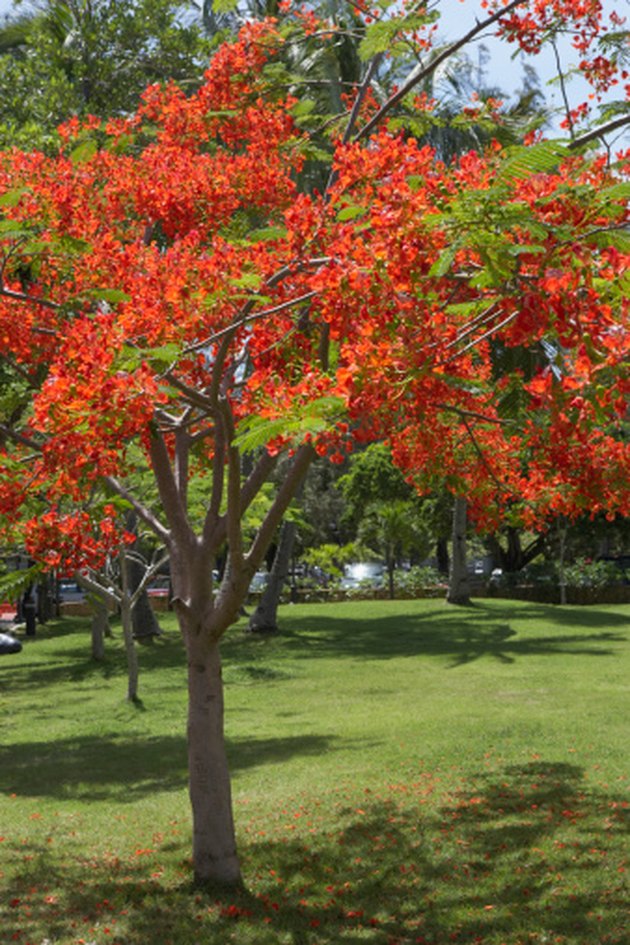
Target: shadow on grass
97,768
460,634
523,857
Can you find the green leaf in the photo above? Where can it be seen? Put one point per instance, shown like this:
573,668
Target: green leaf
224,6
11,229
14,583
351,213
619,239
108,295
72,244
443,264
515,249
249,280
267,233
165,354
470,309
84,151
381,36
312,153
619,191
302,108
253,433
524,161
11,198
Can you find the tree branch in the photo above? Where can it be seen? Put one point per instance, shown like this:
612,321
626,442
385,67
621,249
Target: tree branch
169,494
611,125
246,319
424,71
144,513
32,300
287,491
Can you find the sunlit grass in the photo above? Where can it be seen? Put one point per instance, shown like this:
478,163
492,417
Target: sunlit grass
403,773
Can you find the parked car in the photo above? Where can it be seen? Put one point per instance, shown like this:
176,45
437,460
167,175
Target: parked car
70,592
9,644
259,582
358,573
159,587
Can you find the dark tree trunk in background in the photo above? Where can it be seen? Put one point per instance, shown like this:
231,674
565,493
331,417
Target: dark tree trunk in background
46,598
143,620
514,557
99,628
29,611
442,557
265,617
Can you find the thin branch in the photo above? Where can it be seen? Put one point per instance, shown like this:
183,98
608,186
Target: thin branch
259,474
91,584
287,491
143,512
418,76
216,496
563,89
195,397
282,306
170,497
500,485
611,125
487,334
234,511
31,299
149,573
20,438
473,414
482,319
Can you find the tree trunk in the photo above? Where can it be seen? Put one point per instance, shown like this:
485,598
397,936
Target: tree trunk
144,622
215,861
390,578
562,532
441,554
514,557
131,653
45,598
459,586
265,617
99,629
29,611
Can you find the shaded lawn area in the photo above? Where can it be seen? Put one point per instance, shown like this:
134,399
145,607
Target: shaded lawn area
404,772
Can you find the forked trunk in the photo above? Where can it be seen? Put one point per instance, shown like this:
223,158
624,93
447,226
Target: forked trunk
215,861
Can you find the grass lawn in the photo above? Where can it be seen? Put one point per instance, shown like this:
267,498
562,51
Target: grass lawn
403,773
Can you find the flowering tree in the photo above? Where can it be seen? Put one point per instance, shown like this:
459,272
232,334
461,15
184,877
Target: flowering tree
171,302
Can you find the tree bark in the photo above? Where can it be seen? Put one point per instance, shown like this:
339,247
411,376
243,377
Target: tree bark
145,623
133,670
441,554
265,617
99,628
514,557
459,586
390,578
215,860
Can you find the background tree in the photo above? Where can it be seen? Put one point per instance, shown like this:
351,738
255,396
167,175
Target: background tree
91,57
393,528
